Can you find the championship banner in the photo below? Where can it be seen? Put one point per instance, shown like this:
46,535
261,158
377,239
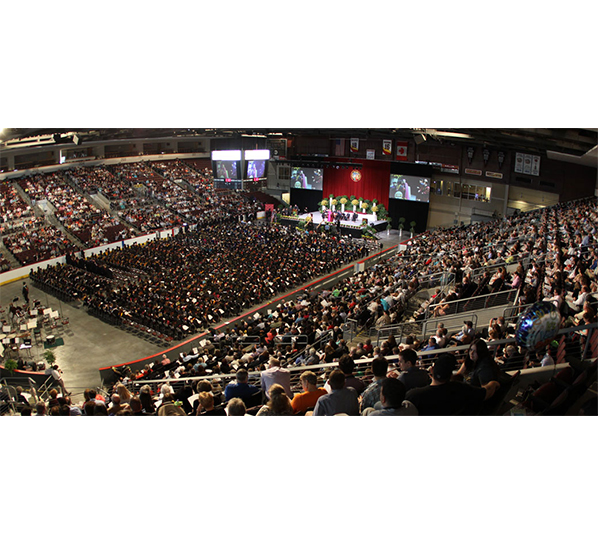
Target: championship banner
402,150
535,165
386,147
527,164
354,145
519,163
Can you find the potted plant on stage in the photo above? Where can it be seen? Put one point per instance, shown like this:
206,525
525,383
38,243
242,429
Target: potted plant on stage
343,202
10,365
388,228
330,198
50,358
412,229
355,203
401,225
334,203
375,209
323,205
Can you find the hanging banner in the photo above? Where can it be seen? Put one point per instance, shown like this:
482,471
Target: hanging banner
527,164
519,163
402,150
386,147
370,154
449,168
354,145
535,165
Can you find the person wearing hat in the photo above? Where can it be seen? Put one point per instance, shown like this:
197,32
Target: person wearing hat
445,397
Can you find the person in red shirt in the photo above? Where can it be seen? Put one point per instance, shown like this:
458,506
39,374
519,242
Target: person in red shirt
308,398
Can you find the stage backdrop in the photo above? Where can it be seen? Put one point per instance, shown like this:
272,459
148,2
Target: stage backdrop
374,182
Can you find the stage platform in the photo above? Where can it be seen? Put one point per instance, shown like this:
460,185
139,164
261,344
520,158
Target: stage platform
348,227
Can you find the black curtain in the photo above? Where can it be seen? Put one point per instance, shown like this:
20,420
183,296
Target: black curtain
309,199
412,211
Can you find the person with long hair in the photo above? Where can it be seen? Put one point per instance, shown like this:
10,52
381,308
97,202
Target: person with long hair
479,367
123,392
279,404
145,397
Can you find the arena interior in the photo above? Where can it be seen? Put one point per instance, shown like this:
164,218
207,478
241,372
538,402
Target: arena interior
184,272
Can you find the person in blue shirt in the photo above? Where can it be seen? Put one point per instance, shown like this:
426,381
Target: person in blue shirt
240,388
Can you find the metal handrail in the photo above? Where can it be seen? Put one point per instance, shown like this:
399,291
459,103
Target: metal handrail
486,299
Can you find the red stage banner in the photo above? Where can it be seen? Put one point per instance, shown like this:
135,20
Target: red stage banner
402,150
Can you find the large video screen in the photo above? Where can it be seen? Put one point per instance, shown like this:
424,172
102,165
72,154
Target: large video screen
409,187
226,169
307,178
256,169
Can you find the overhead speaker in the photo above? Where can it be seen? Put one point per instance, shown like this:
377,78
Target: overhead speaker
419,138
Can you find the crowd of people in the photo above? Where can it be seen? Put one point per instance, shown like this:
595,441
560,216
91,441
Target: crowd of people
191,281
139,196
92,179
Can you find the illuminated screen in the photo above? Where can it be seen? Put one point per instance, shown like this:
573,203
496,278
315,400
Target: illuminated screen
256,168
307,178
226,169
409,187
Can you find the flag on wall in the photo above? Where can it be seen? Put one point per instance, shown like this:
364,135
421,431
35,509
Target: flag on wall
339,147
402,150
354,145
386,147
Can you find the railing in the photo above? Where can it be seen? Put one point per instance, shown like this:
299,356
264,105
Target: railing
451,323
478,302
524,260
569,346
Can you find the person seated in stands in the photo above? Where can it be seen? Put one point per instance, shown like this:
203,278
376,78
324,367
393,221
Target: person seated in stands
431,346
145,397
137,408
116,405
440,336
392,401
278,404
479,367
347,366
236,408
170,407
276,374
206,386
372,393
53,401
446,397
549,356
308,398
411,376
339,400
510,359
468,287
206,402
465,336
240,388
